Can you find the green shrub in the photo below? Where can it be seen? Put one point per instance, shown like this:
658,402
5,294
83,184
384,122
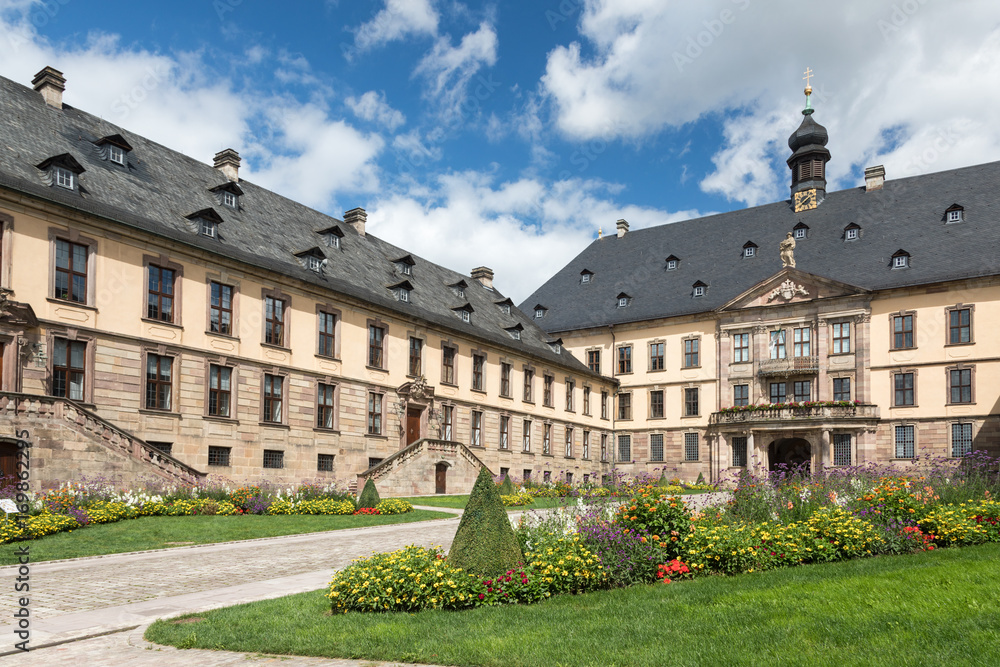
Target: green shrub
485,543
394,506
369,496
507,487
701,479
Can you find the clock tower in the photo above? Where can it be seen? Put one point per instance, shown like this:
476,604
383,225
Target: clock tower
809,158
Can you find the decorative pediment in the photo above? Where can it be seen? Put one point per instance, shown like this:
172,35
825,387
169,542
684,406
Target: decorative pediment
416,390
791,285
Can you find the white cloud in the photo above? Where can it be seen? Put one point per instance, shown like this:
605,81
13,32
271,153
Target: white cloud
916,70
466,220
449,69
399,19
372,107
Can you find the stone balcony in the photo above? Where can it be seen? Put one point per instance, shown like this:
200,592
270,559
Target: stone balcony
802,414
789,366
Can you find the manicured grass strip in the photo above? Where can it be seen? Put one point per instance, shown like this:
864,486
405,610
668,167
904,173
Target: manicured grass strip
459,502
163,532
934,608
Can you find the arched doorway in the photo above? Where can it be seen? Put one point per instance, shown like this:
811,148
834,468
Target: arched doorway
790,454
441,478
8,462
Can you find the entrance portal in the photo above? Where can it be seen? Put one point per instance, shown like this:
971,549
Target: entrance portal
440,474
790,454
8,463
412,425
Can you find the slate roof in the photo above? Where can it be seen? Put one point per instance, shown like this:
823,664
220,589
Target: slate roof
159,188
907,214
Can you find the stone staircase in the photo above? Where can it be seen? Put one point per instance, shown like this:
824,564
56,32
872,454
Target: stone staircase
411,470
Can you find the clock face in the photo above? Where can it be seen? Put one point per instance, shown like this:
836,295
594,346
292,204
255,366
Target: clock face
805,200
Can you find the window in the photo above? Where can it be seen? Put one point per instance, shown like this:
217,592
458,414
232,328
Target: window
416,355
547,439
274,458
210,229
741,394
529,382
515,332
594,360
777,392
164,447
159,379
625,359
961,439
585,277
332,240
741,347
586,401
656,356
478,364
851,233
273,386
841,449
900,261
656,404
625,448
799,233
841,389
656,447
547,391
220,387
477,429
738,445
748,251
777,345
841,337
274,321
960,385
955,215
447,365
902,331
448,423
604,404
327,334
526,475
504,432
71,271
466,315
699,290
405,268
539,313
959,326
691,402
622,301
671,264
220,311
160,298
569,443
690,446
64,178
218,456
625,406
802,391
116,154
324,462
570,395
505,379
376,342
904,442
691,353
504,307
526,436
801,343
229,199
404,295
604,446
374,413
314,263
903,383
325,405
68,364
586,445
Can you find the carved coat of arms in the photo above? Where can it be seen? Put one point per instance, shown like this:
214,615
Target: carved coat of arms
787,290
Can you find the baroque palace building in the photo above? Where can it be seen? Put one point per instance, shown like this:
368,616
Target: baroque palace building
162,316
829,329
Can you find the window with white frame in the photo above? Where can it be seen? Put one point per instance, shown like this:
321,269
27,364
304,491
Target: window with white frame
64,178
526,436
116,154
315,264
851,233
900,261
476,440
211,230
699,290
799,233
749,251
229,199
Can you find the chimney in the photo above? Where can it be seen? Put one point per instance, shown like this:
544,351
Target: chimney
51,84
357,217
622,228
228,162
874,178
483,275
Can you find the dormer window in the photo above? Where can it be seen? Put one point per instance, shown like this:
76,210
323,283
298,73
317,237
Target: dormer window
459,288
556,345
623,300
402,291
800,231
209,228
116,154
672,263
404,295
749,249
404,265
62,170
229,199
331,236
540,311
585,276
114,148
698,289
405,269
954,213
466,316
315,263
312,259
515,331
228,194
852,232
900,259
505,306
64,178
465,312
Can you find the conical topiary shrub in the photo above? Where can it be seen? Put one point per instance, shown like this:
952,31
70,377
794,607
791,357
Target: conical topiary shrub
369,495
701,479
663,479
507,487
485,543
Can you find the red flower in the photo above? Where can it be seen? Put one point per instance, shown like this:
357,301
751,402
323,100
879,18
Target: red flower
481,596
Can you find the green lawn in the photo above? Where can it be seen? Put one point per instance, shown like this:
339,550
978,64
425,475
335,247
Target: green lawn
934,608
459,502
162,532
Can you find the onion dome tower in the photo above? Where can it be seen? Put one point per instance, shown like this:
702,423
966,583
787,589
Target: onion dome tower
809,157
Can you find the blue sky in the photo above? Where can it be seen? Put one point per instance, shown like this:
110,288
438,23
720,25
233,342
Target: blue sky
506,134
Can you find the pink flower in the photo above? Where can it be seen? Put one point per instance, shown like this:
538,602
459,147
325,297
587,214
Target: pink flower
481,596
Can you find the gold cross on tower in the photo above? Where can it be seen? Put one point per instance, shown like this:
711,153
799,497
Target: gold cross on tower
808,73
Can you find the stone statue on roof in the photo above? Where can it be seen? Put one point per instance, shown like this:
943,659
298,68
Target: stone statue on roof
788,251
